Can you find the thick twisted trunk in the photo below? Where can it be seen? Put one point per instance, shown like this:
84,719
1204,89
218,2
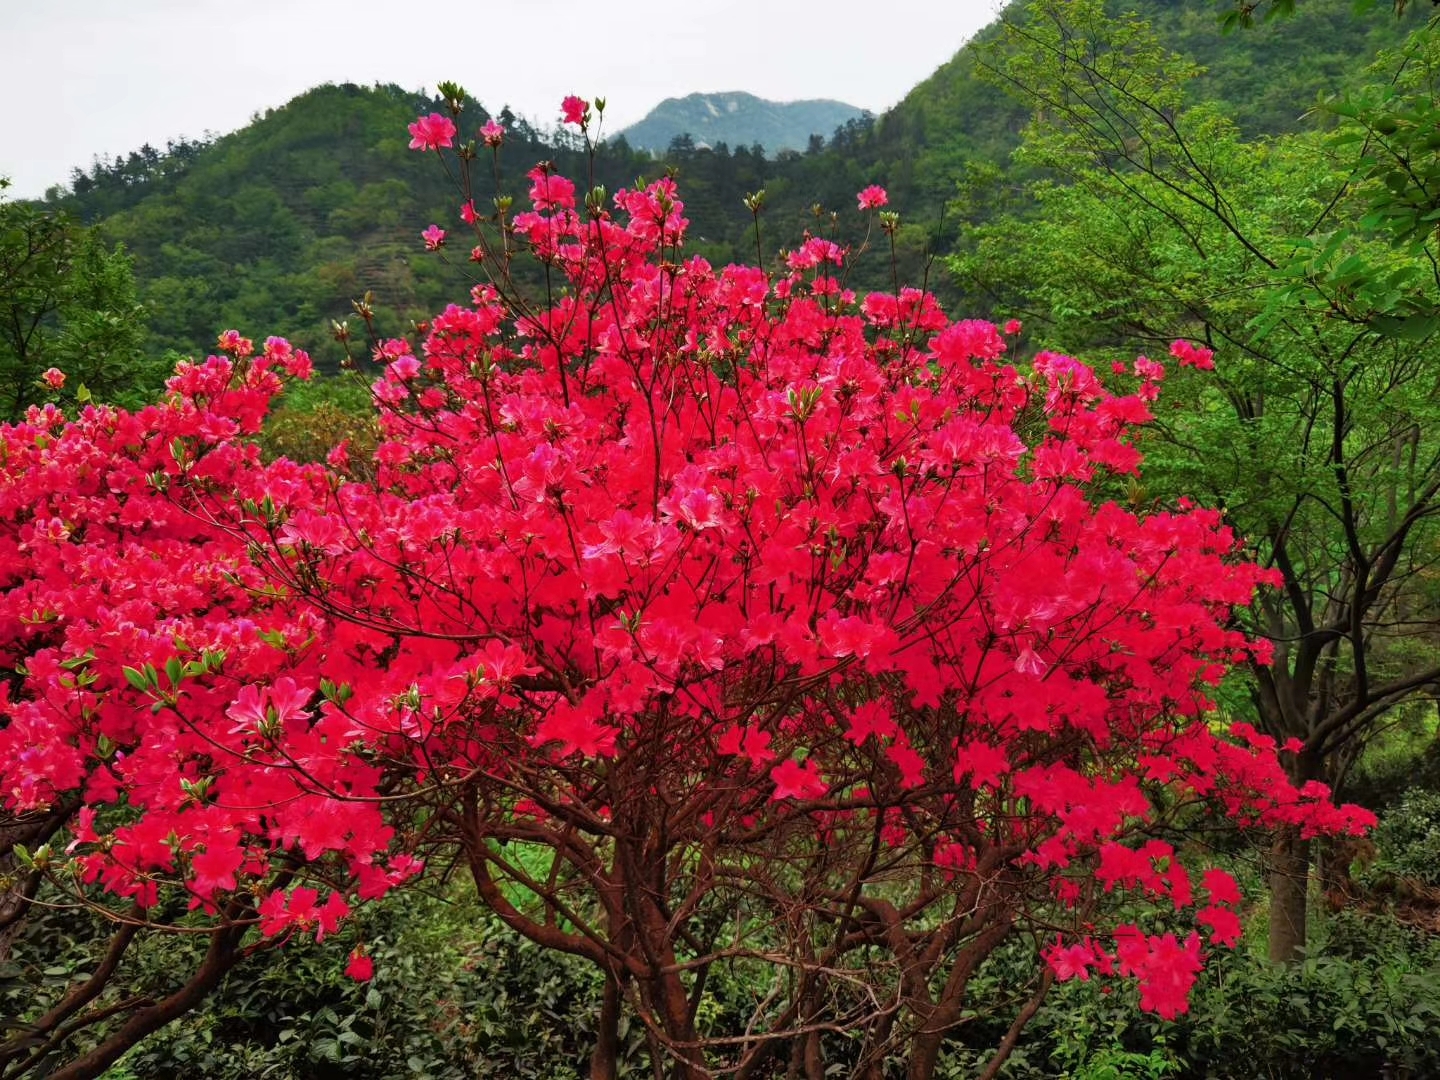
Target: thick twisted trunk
1289,873
1288,870
937,1021
664,995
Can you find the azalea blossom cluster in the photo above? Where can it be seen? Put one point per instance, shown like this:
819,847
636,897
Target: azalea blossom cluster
125,608
727,587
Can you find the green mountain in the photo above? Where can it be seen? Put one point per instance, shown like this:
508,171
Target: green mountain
277,227
739,119
1268,77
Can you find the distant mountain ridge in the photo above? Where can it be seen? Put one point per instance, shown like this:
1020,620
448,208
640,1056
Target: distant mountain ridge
740,119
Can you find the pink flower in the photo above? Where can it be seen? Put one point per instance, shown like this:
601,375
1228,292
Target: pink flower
815,251
329,915
248,710
294,362
1149,369
873,197
1193,356
794,780
288,699
280,912
1012,327
751,742
872,718
434,236
467,212
575,109
492,134
1224,924
1072,962
432,132
1028,662
577,728
299,365
230,341
1221,886
277,350
54,378
360,968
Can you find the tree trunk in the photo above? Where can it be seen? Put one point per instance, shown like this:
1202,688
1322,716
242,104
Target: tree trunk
1289,871
664,996
605,1059
924,1056
682,1041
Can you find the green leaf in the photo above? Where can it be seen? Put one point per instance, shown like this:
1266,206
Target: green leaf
1412,328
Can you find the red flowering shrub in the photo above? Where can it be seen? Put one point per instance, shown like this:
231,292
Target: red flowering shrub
705,615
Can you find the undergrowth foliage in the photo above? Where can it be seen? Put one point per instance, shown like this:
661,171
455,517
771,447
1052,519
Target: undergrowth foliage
710,619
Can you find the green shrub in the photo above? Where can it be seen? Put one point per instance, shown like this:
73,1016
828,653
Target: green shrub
1364,1004
312,418
455,995
1404,756
1407,840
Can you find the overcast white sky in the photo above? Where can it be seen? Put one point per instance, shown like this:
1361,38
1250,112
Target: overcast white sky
85,77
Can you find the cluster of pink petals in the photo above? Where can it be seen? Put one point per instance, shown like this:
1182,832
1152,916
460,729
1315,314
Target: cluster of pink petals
433,132
872,197
575,110
1195,356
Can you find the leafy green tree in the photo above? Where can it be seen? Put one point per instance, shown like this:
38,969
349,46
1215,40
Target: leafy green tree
68,302
1319,432
1244,12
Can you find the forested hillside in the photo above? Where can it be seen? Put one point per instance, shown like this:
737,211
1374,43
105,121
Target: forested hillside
280,225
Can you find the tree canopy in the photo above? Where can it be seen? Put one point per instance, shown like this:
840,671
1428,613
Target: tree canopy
66,301
1298,261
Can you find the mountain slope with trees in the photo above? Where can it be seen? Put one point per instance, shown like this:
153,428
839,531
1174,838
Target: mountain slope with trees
277,227
282,223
